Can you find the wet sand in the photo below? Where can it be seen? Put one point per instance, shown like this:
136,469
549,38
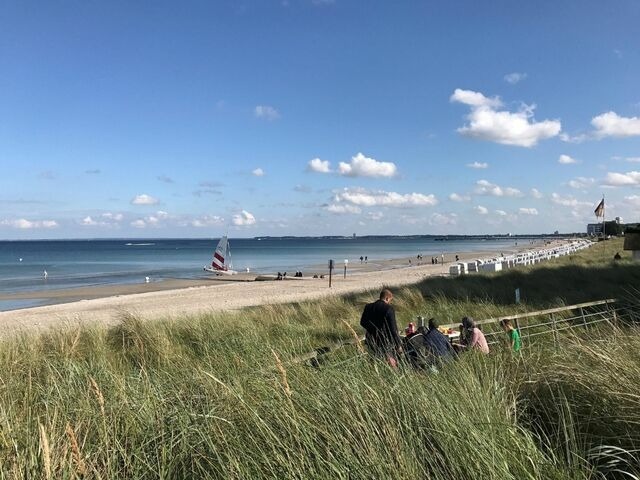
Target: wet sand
177,297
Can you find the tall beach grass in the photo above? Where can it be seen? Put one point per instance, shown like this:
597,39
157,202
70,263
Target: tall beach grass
217,395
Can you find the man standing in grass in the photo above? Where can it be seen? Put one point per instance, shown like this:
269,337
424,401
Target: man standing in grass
512,333
379,321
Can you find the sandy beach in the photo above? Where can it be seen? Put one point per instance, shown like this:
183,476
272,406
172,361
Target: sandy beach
173,298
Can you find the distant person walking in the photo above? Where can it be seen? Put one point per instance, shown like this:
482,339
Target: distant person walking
45,275
379,321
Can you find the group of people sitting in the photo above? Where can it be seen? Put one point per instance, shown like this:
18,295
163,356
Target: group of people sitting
423,347
282,276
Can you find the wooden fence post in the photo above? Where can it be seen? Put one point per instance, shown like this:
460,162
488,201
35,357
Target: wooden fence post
584,320
517,324
555,331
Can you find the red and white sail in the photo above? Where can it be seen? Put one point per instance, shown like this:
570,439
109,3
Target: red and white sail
220,255
221,263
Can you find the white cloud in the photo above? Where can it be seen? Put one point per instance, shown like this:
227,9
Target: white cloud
144,199
581,182
207,221
633,200
566,160
88,221
365,198
319,166
514,77
480,210
361,166
258,172
528,211
454,197
614,179
336,208
267,112
474,99
504,127
24,224
565,137
567,200
244,218
610,124
501,213
116,217
478,165
483,187
138,223
535,193
375,216
443,219
633,159
106,219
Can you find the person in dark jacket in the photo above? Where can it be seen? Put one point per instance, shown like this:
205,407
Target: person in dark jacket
379,321
438,349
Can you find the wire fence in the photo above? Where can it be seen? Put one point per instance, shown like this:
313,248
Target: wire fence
553,321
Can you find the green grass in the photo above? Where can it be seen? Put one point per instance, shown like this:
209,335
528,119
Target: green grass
205,396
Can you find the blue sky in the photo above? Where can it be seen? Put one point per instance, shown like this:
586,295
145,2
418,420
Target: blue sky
316,117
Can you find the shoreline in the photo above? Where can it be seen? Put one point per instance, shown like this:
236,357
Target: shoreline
171,298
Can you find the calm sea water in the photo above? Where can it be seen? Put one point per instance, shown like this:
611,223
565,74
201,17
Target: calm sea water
78,263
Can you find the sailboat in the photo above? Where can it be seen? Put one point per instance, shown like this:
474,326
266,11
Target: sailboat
221,264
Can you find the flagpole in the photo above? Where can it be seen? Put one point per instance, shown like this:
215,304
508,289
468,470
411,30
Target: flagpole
604,233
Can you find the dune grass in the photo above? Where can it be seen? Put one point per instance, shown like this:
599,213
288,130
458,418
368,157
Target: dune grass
216,396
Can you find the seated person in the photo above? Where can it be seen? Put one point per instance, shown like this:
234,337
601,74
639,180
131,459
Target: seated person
410,331
438,347
472,337
428,348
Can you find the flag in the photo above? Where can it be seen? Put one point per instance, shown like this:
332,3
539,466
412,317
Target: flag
599,211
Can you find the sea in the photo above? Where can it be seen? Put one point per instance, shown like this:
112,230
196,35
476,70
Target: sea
83,263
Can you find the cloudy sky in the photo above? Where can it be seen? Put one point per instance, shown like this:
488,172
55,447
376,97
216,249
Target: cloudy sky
316,117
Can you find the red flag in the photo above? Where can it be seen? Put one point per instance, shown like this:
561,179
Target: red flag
599,211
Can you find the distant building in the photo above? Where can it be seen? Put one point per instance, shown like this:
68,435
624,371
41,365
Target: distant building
594,228
632,242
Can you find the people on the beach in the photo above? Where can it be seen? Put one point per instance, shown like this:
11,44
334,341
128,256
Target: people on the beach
45,275
361,258
512,334
457,258
365,259
379,321
472,337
